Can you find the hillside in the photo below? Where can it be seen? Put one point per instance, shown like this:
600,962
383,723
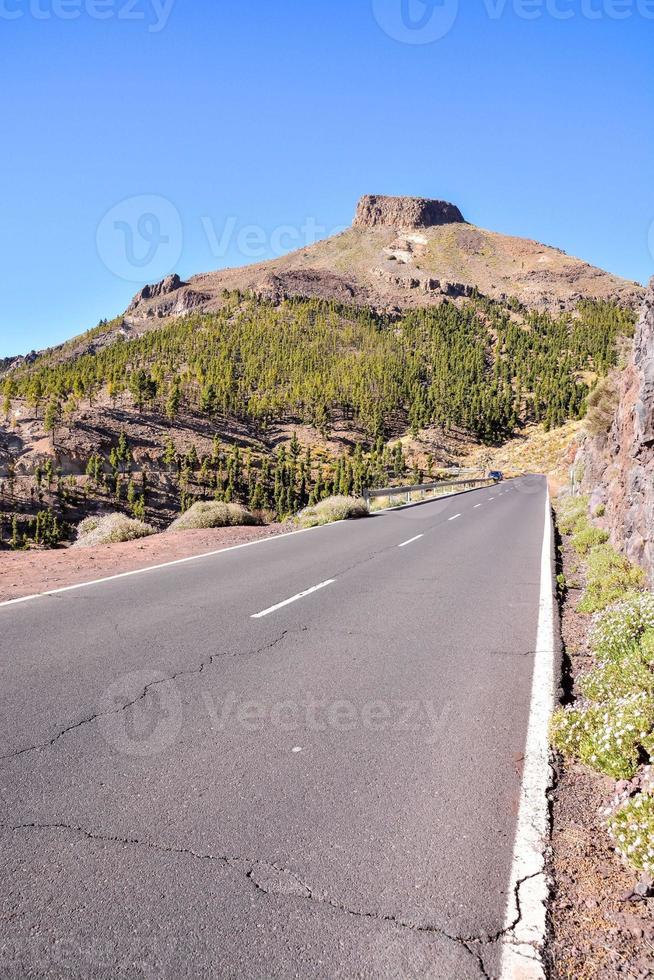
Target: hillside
401,253
277,400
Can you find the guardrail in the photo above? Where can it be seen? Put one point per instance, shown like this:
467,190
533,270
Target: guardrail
421,489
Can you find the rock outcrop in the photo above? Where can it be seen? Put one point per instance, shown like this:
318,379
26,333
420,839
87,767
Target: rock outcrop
377,210
618,465
168,285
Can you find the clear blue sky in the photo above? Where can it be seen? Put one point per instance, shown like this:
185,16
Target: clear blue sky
269,114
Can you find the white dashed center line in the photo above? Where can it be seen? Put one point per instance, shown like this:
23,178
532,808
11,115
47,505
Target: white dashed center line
294,598
454,518
411,540
476,506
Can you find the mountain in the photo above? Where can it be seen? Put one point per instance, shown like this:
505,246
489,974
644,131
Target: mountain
401,253
388,352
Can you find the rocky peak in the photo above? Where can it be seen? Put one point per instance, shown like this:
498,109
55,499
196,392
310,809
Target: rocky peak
378,210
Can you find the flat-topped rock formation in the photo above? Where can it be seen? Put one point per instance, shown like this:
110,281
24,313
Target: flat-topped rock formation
381,211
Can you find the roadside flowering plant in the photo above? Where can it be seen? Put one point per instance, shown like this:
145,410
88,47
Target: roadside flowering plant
632,830
609,737
619,677
614,631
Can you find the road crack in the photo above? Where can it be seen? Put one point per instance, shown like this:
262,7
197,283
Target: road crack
271,879
97,715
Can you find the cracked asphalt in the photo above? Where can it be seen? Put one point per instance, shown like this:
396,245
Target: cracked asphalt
328,791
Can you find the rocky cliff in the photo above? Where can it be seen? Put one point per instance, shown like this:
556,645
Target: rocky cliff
380,211
618,463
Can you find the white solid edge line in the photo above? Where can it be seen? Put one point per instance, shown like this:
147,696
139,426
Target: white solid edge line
167,564
411,540
456,517
528,888
294,598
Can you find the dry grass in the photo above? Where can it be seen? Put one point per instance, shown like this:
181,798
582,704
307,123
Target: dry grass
536,451
213,513
110,529
332,509
602,403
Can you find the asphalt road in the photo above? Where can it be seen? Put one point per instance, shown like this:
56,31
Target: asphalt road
192,789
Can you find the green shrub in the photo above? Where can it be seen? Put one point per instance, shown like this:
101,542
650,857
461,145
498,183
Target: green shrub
615,631
608,738
570,511
110,529
632,830
610,578
213,513
599,511
332,509
586,537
